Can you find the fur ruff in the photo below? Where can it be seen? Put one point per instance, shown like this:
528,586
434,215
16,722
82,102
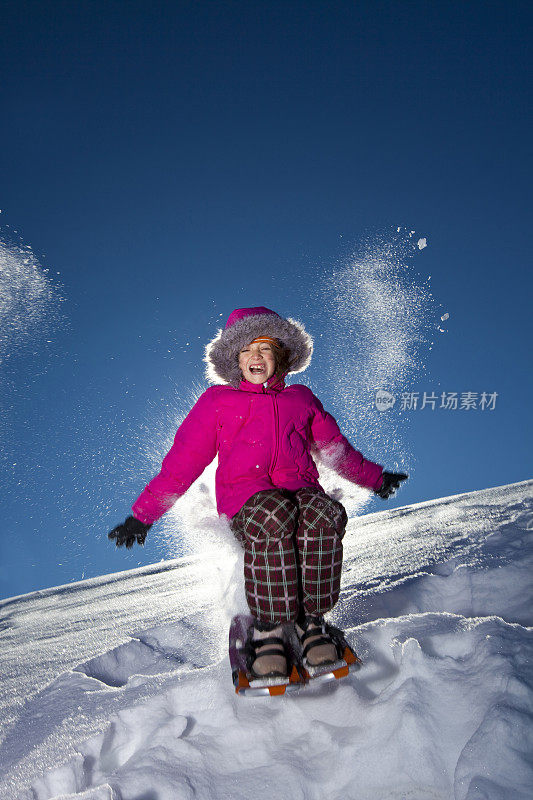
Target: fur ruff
222,353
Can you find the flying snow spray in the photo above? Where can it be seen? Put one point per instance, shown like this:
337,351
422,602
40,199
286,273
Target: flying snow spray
380,321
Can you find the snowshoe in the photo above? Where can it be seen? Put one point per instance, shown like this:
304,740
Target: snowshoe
242,654
314,633
300,671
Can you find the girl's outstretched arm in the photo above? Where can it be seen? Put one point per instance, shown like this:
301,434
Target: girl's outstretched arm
338,453
195,446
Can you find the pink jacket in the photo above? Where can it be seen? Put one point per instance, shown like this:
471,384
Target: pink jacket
264,438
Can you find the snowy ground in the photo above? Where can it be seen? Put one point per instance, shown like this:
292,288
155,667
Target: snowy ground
119,687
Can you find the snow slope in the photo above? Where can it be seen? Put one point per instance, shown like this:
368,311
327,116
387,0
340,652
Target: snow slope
119,687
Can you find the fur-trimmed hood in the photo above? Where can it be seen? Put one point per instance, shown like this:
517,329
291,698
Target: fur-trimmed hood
243,326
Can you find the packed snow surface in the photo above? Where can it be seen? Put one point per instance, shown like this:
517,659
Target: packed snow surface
119,688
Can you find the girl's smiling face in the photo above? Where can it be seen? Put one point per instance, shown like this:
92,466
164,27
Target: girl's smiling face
257,362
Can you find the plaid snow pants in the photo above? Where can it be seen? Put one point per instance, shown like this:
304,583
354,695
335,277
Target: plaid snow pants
292,552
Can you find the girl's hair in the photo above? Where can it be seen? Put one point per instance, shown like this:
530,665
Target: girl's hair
282,359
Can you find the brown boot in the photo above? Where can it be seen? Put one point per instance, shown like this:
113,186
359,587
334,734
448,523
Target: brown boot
266,653
318,646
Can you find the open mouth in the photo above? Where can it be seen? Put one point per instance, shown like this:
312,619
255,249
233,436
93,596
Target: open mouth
256,369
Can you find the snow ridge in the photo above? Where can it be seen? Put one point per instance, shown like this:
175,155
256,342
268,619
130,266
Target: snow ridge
120,689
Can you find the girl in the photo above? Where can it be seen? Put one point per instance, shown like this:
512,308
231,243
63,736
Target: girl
265,433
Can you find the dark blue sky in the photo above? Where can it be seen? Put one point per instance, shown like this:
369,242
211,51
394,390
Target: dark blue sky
174,160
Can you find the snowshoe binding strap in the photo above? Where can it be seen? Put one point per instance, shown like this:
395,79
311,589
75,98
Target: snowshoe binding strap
269,646
319,633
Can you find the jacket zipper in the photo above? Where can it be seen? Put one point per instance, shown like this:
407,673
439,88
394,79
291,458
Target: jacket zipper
276,432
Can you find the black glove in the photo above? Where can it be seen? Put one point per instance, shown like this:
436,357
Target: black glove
130,531
391,481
